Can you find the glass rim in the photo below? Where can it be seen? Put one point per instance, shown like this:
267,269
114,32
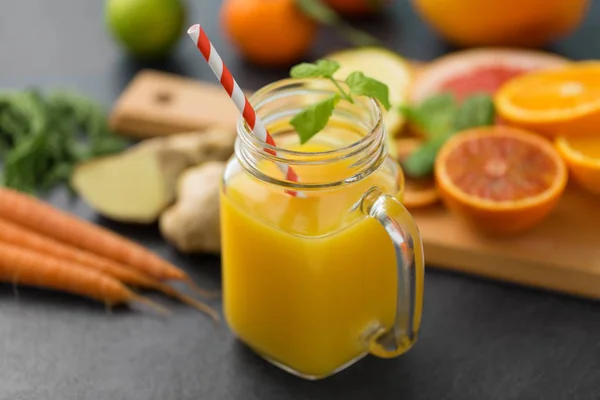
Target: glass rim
368,104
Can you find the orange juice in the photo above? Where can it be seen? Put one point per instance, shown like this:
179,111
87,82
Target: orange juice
306,279
314,282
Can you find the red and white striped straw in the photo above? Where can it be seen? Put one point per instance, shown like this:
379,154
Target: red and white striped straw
240,100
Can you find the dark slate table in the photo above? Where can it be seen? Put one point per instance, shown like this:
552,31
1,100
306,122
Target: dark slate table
480,339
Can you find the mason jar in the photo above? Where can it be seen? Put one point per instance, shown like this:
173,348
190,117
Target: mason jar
319,272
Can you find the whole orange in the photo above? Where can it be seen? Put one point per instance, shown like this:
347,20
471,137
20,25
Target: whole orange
529,23
268,32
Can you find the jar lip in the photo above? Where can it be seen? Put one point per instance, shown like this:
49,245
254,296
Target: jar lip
282,152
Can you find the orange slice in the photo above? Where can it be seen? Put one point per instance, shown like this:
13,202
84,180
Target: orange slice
501,180
582,155
417,193
557,102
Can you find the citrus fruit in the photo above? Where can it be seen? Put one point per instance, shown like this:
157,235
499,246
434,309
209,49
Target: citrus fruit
562,102
501,180
268,33
417,192
502,23
146,28
387,67
478,70
582,155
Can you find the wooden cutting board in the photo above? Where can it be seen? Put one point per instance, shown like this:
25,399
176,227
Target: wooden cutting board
562,254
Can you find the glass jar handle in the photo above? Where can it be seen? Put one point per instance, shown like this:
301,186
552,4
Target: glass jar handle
408,246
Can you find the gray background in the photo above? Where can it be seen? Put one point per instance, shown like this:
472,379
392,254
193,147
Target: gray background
480,339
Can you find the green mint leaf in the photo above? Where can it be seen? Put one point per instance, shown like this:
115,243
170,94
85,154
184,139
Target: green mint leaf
434,116
442,118
476,110
314,118
421,162
441,102
365,86
320,69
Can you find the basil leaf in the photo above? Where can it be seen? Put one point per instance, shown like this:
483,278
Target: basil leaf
365,86
314,118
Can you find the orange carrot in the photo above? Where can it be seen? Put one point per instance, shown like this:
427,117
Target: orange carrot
22,237
36,215
26,267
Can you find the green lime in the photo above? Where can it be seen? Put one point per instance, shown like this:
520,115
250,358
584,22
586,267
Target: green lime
146,28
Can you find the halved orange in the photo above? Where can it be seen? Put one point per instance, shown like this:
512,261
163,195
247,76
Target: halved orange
557,102
417,192
500,179
582,155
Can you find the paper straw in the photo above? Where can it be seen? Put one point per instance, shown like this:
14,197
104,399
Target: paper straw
240,100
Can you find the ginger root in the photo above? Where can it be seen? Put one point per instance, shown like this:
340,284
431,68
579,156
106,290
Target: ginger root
198,147
138,184
192,223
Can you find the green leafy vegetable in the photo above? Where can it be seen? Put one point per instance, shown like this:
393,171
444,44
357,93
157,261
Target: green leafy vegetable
43,137
440,117
314,118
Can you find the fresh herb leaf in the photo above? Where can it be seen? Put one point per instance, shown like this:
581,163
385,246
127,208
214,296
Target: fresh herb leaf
320,69
314,118
434,116
476,110
421,162
441,102
364,86
43,136
440,117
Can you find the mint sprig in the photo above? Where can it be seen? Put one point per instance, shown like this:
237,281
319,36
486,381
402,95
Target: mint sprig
439,118
315,117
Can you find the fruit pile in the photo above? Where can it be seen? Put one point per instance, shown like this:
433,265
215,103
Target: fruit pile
492,133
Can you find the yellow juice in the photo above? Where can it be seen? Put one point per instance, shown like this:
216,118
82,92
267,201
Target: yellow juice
306,279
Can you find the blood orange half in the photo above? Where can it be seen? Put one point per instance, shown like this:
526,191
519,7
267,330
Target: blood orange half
478,70
502,180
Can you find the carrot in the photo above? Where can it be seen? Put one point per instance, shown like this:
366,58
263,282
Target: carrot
21,237
36,215
22,266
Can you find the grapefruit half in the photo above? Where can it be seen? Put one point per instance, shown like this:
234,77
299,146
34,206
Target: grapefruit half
478,70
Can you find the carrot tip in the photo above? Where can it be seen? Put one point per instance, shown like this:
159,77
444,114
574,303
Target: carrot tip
207,294
153,305
200,306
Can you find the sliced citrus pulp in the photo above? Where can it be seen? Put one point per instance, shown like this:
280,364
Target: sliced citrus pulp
582,155
478,70
387,67
417,192
561,102
500,179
